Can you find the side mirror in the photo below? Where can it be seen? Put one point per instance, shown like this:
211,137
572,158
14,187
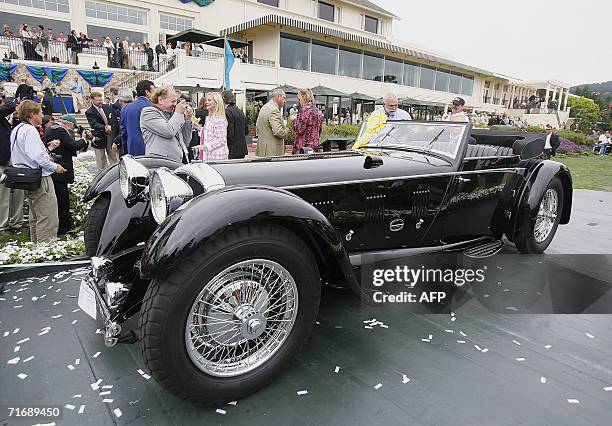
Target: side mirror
372,162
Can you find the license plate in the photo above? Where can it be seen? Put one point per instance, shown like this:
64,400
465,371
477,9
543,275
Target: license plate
87,299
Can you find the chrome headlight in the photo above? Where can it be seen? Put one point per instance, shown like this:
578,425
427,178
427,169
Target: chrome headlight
133,178
168,192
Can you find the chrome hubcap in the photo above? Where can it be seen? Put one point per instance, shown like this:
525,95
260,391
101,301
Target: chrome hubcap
547,216
241,318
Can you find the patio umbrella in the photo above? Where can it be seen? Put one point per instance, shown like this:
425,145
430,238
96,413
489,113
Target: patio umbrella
193,35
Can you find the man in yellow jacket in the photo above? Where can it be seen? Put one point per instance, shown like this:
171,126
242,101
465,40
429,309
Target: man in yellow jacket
271,131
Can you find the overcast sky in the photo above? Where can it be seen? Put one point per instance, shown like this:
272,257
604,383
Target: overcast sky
527,39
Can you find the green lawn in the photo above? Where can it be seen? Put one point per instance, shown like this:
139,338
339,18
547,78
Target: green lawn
589,171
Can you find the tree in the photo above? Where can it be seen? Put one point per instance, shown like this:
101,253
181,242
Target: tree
586,112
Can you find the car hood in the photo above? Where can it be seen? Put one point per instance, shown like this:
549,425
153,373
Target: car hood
326,168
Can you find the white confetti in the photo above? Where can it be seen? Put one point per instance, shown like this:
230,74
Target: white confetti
232,403
97,354
43,332
78,395
430,337
78,361
23,340
105,393
108,401
16,348
516,343
13,361
107,386
449,331
573,401
453,318
426,340
460,341
34,299
6,333
22,376
462,333
302,392
589,335
520,359
548,346
56,316
117,412
542,379
70,406
337,369
140,372
485,350
405,378
511,308
18,306
478,348
608,388
378,386
81,409
146,376
384,326
76,310
70,367
16,330
74,322
368,327
30,358
57,303
220,411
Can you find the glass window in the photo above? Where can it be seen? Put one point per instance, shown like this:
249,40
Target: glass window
349,64
442,80
323,58
394,71
326,11
109,12
412,74
428,76
454,85
269,2
94,31
373,67
371,24
294,52
467,85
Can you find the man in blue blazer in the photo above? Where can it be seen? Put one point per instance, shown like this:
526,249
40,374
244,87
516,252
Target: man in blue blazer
131,135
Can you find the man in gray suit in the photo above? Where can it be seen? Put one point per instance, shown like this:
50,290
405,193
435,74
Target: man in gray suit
166,126
271,131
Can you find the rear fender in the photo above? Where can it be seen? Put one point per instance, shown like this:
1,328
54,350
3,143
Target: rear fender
216,212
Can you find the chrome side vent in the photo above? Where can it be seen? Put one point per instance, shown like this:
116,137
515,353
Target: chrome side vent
375,209
420,203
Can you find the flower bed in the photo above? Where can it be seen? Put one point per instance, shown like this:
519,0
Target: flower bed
569,147
27,252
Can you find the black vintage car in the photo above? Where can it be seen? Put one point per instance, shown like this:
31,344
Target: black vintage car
219,265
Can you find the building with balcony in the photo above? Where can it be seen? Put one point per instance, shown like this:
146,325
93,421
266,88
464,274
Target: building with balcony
344,45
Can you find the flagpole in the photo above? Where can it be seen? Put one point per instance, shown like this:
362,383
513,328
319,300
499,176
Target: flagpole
224,59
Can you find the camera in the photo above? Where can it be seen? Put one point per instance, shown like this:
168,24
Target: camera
57,158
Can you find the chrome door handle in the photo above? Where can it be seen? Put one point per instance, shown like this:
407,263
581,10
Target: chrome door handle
462,179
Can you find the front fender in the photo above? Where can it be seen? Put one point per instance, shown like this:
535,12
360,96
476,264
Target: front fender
213,213
535,185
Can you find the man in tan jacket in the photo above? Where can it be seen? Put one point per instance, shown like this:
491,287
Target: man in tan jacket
270,128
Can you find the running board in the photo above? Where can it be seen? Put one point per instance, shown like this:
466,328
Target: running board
486,249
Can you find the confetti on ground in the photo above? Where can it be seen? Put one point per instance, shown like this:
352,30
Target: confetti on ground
478,348
405,378
76,310
547,346
368,327
573,401
81,409
107,386
426,340
57,303
13,361
6,333
74,321
520,359
378,386
70,367
97,354
17,348
220,411
96,386
511,308
337,369
462,333
78,395
22,376
232,403
608,388
108,401
16,330
516,343
449,331
338,326
105,393
56,316
70,406
302,392
453,318
589,335
18,306
460,341
78,361
542,379
384,326
30,358
43,332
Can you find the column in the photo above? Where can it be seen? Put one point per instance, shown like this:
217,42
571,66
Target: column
546,97
560,98
511,102
565,100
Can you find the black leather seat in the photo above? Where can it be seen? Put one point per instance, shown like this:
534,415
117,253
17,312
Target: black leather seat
476,151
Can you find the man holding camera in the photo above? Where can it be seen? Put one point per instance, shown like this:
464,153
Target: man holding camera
99,116
63,130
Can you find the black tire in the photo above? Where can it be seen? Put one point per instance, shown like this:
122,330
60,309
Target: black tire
525,240
95,223
169,299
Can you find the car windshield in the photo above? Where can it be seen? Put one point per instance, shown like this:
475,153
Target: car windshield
441,138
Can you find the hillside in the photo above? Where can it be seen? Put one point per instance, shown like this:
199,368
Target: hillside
604,89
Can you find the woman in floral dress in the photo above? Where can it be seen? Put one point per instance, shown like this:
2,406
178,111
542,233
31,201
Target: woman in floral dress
214,134
308,123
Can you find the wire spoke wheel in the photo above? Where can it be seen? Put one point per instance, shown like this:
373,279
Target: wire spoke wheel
241,317
547,215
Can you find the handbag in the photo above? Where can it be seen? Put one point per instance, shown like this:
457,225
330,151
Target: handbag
24,178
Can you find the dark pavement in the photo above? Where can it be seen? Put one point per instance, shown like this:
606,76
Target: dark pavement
524,369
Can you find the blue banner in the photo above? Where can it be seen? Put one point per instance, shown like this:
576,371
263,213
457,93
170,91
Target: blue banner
229,63
56,75
103,77
6,70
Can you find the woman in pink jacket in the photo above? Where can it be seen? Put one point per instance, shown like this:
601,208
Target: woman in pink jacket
213,145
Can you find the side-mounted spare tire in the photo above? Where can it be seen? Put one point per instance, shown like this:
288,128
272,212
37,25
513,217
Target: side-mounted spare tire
95,223
230,318
534,236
